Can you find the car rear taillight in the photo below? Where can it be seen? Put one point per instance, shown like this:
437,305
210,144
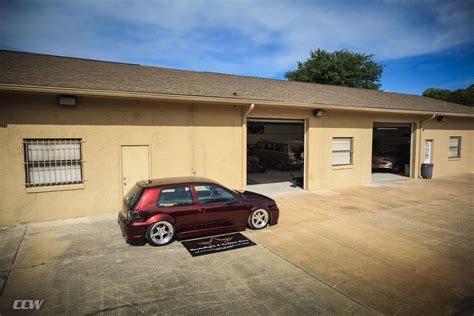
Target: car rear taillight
135,216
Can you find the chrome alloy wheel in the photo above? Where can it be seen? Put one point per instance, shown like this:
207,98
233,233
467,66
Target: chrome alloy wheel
259,218
161,232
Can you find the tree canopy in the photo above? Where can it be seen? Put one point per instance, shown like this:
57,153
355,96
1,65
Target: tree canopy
341,68
461,96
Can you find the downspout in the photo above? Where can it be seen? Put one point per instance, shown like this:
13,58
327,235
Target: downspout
420,142
244,144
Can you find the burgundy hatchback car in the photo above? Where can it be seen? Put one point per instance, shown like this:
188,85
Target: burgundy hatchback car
163,209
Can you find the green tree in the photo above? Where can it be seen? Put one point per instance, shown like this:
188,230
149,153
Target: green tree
341,68
460,96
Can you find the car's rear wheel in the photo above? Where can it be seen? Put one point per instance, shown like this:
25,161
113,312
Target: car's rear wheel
160,233
258,219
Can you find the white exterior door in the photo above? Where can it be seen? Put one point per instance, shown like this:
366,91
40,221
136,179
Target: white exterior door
428,150
135,166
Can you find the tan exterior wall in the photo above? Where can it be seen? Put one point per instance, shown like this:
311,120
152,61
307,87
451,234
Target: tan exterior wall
186,139
440,132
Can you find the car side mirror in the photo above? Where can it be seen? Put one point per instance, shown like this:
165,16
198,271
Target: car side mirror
235,200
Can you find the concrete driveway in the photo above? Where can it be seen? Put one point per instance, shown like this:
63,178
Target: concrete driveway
402,247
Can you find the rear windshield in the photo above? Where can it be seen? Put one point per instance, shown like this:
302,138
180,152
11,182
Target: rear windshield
131,198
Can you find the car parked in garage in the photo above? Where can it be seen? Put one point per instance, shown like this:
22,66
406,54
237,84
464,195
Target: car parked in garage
161,210
253,163
280,155
389,160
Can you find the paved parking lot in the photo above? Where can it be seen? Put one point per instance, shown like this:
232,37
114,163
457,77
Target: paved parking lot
402,247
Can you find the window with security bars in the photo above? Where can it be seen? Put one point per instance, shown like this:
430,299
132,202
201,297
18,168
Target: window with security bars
342,151
455,147
50,162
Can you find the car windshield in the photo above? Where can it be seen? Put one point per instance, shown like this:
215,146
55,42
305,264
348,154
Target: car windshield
133,195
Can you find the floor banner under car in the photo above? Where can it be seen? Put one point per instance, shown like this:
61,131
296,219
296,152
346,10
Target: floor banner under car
208,245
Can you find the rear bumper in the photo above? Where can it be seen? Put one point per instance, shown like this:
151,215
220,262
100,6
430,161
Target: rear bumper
132,230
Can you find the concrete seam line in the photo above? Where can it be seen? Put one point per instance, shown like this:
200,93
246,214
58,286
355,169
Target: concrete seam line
318,279
13,261
78,258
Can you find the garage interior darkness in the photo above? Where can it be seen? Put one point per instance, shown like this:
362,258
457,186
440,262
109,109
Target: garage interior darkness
391,151
275,154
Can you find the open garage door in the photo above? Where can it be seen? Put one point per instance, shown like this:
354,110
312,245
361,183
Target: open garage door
391,151
275,155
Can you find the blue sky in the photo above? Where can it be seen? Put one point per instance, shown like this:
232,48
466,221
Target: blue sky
421,43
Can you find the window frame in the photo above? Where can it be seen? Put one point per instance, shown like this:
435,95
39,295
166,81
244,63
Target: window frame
216,185
350,151
458,147
175,187
50,163
430,152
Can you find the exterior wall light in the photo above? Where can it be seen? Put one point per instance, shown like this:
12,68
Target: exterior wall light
67,100
319,113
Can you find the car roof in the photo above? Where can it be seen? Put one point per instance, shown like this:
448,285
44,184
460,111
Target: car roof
174,180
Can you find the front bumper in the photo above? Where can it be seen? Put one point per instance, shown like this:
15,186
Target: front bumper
382,165
274,215
132,230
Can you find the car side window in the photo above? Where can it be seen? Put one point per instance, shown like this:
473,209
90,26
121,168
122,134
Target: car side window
269,146
179,196
280,147
212,194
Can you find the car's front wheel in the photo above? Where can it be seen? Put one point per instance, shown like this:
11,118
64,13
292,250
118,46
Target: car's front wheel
258,219
160,233
280,166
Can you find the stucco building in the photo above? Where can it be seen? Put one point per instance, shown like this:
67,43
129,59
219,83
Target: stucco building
75,133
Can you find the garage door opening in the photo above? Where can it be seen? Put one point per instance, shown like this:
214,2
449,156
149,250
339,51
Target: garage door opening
275,155
391,151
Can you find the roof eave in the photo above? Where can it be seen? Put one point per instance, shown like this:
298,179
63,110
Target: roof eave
210,99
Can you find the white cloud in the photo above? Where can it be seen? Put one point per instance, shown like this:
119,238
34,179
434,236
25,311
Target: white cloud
261,38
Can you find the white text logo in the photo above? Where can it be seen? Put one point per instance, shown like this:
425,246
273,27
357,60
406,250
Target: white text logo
27,304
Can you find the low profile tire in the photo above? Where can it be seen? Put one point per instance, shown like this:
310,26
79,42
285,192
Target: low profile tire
258,219
279,166
160,233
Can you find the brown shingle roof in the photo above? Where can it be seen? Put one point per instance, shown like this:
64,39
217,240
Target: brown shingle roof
53,71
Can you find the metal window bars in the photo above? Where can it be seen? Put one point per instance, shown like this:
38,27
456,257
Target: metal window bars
51,162
454,147
342,153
